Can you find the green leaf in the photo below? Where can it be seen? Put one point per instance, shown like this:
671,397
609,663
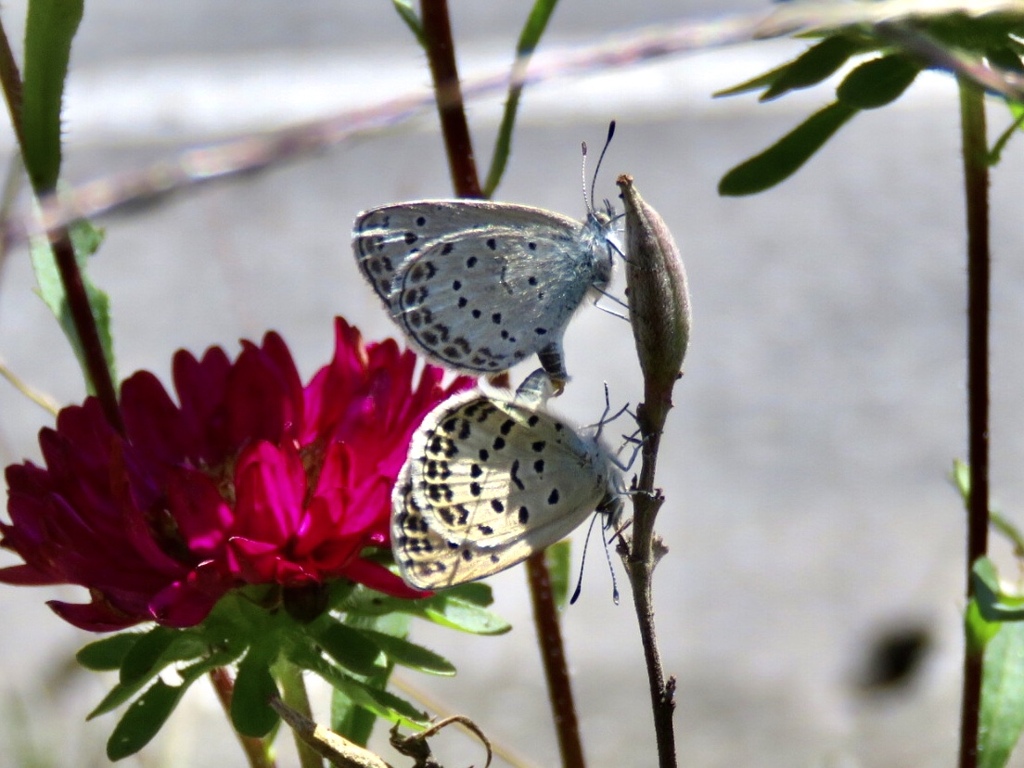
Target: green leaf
456,613
145,658
559,561
763,80
156,649
784,158
85,239
251,713
350,720
147,714
49,29
144,719
351,648
530,35
108,653
410,655
377,701
1002,697
978,632
149,654
962,480
412,21
877,82
814,65
994,604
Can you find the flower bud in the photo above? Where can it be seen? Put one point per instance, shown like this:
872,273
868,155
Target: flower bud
659,300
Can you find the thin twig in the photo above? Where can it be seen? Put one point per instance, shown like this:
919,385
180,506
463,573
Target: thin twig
454,127
556,671
975,151
437,30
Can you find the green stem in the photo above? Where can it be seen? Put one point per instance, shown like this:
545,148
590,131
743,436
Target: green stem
255,749
975,151
293,693
64,254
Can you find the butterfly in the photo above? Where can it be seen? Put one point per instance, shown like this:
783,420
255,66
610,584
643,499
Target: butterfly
479,286
490,481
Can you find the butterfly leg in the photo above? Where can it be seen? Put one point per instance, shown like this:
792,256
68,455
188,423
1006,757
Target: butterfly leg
552,358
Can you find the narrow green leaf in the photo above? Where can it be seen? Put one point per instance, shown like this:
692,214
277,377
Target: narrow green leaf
157,649
117,696
108,653
465,616
408,14
383,704
379,702
145,658
143,719
996,153
784,158
476,593
411,655
755,83
877,82
812,66
49,29
147,714
85,239
351,648
251,713
530,35
350,720
994,604
559,561
1002,697
978,631
962,480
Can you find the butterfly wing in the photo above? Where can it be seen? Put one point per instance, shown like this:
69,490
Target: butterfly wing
488,483
480,286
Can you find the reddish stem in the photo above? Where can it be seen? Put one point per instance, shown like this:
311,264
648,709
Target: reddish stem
254,748
437,30
549,639
975,150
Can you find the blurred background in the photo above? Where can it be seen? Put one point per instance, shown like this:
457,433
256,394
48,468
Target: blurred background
809,604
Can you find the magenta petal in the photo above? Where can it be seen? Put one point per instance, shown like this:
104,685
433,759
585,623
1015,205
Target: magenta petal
270,484
92,617
202,514
181,605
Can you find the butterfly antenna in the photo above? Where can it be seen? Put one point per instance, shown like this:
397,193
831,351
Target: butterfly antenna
611,570
597,168
588,200
579,579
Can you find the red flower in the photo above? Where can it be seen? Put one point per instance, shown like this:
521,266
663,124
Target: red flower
252,479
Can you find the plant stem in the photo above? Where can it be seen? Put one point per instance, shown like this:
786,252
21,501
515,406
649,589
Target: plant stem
640,562
64,254
437,30
255,750
552,649
972,126
293,693
440,49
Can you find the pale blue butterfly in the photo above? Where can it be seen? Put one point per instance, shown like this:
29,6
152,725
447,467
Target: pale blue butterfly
489,481
479,286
